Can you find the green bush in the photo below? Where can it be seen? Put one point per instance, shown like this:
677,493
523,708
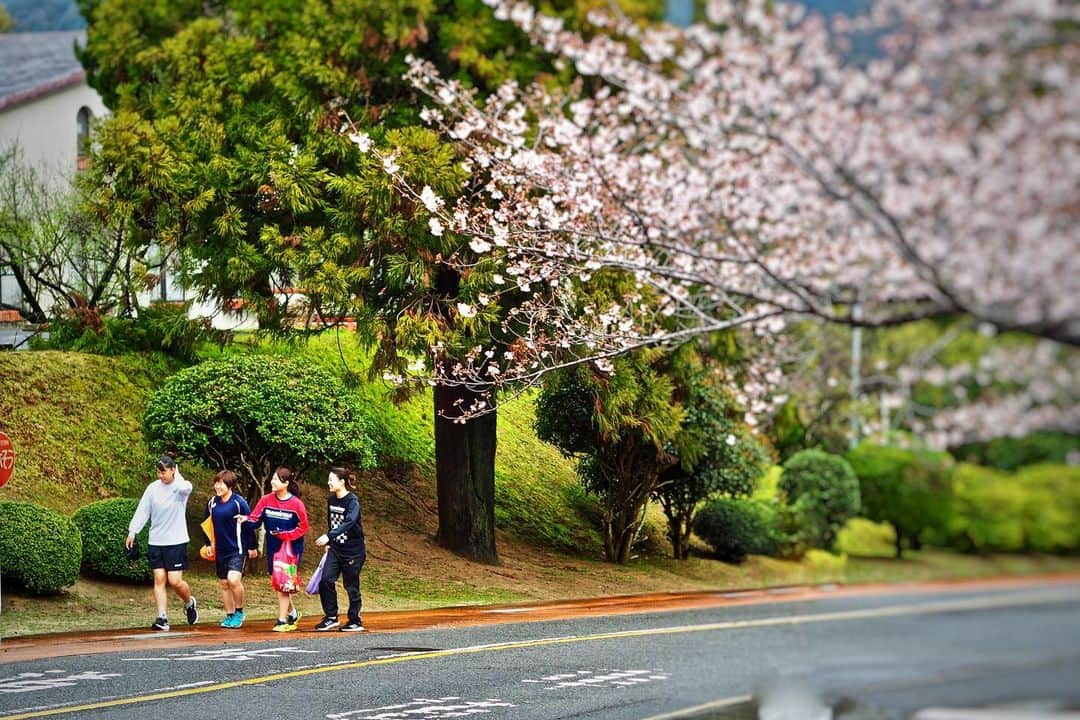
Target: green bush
735,528
162,327
251,413
1051,509
909,489
821,493
984,516
41,550
1010,454
1036,509
104,526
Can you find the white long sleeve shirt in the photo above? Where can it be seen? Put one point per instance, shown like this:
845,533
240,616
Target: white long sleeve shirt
164,506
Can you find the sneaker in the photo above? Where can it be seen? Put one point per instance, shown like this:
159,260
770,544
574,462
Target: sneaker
161,624
326,623
192,611
352,627
228,621
294,616
238,619
283,626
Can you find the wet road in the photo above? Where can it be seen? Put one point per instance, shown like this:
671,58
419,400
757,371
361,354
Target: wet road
895,649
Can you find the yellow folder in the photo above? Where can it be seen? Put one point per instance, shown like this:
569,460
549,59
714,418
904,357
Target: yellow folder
208,528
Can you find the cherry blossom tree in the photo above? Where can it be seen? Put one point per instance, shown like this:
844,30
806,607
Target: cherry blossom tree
759,167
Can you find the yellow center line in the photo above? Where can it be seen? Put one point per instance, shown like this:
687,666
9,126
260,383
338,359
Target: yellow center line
946,606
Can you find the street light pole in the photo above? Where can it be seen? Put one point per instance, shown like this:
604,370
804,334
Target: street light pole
856,369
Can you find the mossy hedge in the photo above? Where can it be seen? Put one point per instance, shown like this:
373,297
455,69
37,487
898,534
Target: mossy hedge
104,527
40,549
735,528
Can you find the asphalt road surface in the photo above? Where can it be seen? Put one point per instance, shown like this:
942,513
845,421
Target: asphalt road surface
878,655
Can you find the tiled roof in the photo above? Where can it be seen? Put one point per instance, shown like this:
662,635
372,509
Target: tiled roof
34,64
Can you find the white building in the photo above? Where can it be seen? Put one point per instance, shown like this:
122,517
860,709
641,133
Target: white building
48,110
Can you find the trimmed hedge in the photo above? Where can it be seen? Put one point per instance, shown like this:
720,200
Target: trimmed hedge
735,528
821,493
251,413
1036,509
40,549
104,527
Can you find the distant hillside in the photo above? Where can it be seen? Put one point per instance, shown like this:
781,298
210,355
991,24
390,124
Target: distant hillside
42,15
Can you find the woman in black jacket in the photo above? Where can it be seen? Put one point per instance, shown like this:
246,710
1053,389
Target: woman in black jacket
346,551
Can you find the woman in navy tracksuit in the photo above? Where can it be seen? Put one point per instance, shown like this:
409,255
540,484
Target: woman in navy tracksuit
234,543
346,552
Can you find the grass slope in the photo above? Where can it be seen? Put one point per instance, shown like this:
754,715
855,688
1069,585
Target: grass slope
74,420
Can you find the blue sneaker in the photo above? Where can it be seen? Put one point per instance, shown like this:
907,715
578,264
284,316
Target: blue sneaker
228,621
238,619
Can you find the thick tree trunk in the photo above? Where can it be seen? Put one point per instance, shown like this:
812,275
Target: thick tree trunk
465,475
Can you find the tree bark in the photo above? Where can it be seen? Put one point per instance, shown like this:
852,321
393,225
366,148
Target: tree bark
465,476
899,543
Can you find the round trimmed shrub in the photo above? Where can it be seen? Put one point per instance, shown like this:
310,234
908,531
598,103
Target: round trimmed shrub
40,549
250,413
735,528
825,491
104,527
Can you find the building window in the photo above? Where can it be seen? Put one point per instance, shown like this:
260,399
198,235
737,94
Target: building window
82,122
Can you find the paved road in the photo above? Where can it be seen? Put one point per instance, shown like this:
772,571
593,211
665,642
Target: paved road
892,652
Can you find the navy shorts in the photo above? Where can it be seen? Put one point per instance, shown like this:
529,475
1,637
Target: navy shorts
232,563
167,557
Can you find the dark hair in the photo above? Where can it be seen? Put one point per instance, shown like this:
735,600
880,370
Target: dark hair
346,476
285,475
228,477
168,460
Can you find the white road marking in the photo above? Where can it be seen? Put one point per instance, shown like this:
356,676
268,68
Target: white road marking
49,680
238,654
425,709
589,678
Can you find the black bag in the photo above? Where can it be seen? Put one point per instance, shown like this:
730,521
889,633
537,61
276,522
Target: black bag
132,553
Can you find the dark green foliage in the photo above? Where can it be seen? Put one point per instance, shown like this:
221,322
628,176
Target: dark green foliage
716,454
252,413
617,426
909,489
1010,454
820,492
735,528
163,327
104,527
41,550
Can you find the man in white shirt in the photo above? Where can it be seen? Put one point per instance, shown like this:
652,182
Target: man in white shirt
164,504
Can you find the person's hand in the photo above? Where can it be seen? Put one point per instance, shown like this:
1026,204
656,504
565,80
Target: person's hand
275,533
129,542
253,554
240,518
322,540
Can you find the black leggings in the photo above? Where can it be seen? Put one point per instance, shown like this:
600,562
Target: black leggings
349,570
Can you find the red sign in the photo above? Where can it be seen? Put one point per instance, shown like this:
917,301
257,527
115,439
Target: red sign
7,459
